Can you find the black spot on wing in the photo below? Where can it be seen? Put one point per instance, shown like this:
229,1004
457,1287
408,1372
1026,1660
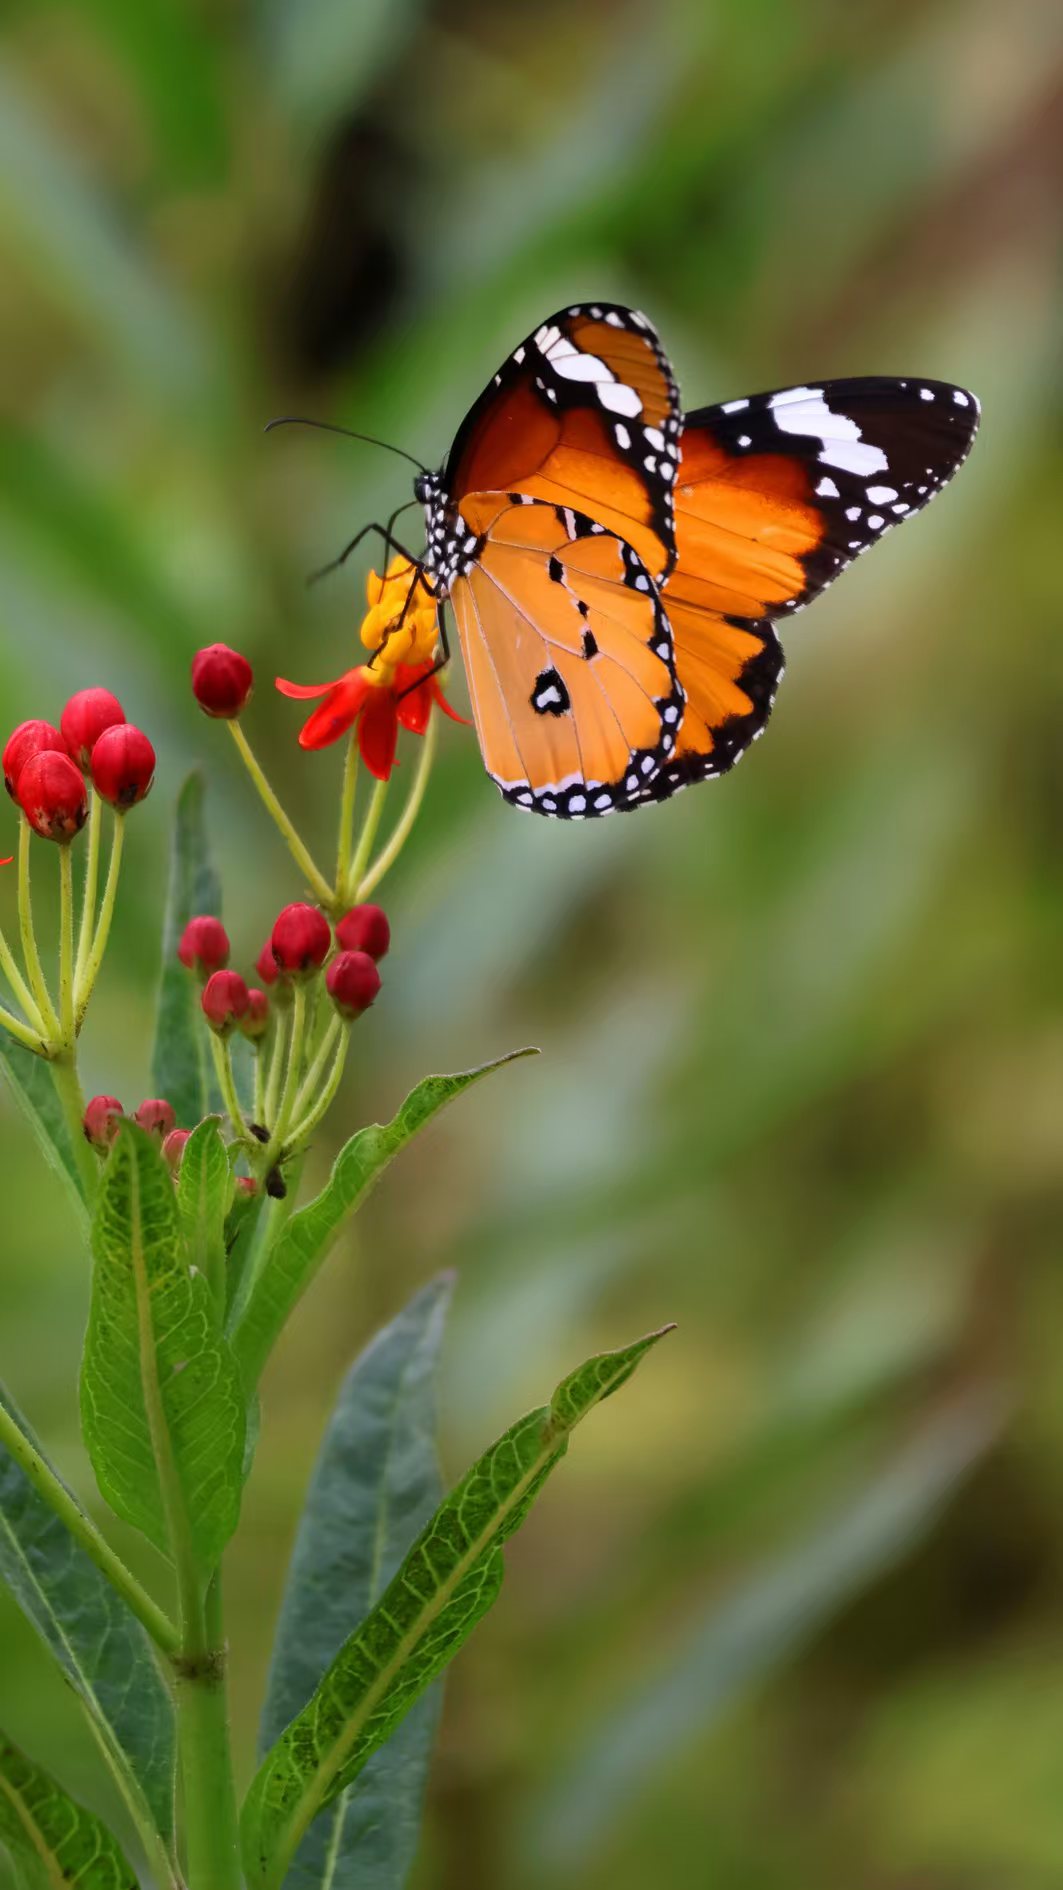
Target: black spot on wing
550,696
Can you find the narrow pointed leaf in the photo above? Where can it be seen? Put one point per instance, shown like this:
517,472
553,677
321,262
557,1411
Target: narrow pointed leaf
52,1840
181,1067
375,1486
103,1651
204,1186
31,1084
446,1584
309,1235
162,1405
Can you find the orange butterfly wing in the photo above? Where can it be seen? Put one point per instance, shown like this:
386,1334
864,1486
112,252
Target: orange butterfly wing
568,659
775,496
584,414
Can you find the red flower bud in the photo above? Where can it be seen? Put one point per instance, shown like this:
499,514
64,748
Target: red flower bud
123,766
174,1147
51,794
255,1021
157,1117
84,719
225,999
204,946
301,940
222,681
364,929
28,739
101,1119
266,964
352,981
246,1184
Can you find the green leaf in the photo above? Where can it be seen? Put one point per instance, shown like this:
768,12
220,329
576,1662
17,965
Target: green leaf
446,1584
204,1187
260,1315
31,1084
55,1840
767,1617
103,1651
375,1486
162,1405
181,1068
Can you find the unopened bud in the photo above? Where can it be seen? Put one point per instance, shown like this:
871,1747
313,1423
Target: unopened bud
255,1021
101,1119
204,946
30,738
51,794
364,929
222,681
225,999
174,1147
84,720
352,981
301,940
157,1117
123,766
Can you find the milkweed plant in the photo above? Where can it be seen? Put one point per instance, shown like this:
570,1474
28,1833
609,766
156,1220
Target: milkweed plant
202,1244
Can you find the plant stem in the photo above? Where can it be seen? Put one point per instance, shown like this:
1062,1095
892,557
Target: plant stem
91,971
397,840
346,833
163,1631
223,1064
282,1024
72,1102
309,1122
88,891
317,881
20,1031
31,956
365,841
279,1128
205,1748
317,1068
21,989
66,947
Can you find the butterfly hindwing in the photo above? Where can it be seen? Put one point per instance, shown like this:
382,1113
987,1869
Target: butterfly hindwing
568,657
585,414
776,495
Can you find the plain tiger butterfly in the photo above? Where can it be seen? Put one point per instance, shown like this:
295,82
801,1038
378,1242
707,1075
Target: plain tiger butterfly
616,568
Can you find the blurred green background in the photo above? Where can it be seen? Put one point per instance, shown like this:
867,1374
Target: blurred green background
792,1615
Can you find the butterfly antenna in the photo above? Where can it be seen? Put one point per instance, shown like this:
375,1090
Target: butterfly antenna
326,426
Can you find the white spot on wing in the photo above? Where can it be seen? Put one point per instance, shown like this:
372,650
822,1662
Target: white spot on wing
733,406
804,410
619,398
881,495
827,489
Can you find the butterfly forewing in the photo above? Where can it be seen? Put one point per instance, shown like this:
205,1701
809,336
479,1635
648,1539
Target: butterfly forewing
568,657
584,414
775,496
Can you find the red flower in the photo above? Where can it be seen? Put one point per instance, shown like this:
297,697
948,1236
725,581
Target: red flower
378,702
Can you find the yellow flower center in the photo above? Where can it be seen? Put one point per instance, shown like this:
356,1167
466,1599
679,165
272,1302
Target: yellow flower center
401,627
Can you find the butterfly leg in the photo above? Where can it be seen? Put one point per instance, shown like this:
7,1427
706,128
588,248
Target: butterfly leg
385,534
441,661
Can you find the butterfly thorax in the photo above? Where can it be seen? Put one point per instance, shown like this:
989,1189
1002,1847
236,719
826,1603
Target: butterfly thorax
450,547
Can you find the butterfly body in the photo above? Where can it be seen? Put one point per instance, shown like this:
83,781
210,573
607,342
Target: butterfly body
616,571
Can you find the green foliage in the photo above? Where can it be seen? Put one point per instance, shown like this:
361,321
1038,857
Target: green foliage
308,1237
204,1189
54,1842
375,1487
103,1652
181,1065
30,1081
445,1585
162,1409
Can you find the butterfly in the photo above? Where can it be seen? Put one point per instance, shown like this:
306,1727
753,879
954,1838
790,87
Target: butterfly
616,569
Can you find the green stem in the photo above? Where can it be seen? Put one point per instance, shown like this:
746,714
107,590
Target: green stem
365,841
21,989
205,1747
31,956
91,971
162,1630
346,833
306,1126
88,892
389,854
315,880
223,1064
72,1102
20,1031
312,1080
279,1128
282,1024
66,947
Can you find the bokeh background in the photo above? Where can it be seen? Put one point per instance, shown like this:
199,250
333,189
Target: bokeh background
793,1614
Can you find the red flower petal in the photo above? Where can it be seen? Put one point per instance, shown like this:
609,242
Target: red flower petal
304,692
378,729
338,712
